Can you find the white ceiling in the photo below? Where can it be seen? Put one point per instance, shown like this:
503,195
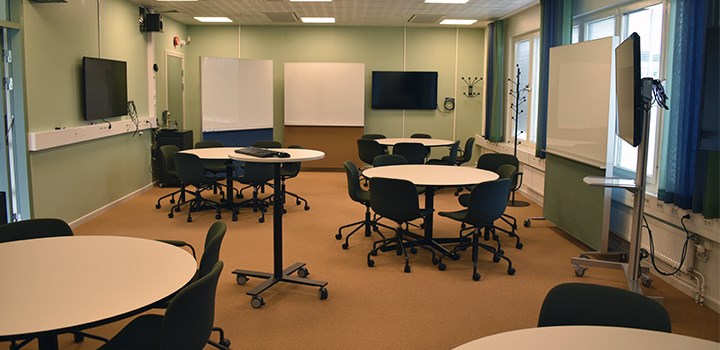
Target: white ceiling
346,12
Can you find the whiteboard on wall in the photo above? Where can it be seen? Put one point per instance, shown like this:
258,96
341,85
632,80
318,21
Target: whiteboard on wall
581,101
236,94
324,94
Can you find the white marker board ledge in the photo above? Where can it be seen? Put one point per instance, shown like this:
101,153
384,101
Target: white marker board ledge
42,140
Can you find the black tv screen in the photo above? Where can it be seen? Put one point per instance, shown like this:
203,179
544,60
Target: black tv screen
628,90
104,88
404,90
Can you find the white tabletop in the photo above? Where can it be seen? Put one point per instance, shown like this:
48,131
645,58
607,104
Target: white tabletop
425,142
588,338
49,284
296,154
433,175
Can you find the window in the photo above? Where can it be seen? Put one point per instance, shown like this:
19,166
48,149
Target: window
647,22
526,58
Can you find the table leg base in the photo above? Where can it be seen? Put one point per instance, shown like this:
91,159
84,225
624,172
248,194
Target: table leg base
273,279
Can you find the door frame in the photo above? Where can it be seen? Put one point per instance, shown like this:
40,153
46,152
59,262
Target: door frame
181,56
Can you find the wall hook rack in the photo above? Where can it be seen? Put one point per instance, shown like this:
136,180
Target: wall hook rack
470,81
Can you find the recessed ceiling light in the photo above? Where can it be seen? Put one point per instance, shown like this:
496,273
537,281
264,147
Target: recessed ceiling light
176,0
318,19
310,0
458,22
446,1
213,19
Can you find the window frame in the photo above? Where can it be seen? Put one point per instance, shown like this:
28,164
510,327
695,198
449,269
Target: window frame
530,105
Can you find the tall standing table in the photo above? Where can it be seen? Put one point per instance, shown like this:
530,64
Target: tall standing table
432,177
279,273
63,284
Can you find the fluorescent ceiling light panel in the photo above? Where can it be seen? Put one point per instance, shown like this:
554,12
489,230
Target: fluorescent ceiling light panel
318,19
446,1
213,19
310,0
176,0
458,22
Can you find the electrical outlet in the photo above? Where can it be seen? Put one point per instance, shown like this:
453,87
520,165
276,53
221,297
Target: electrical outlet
659,205
675,211
708,224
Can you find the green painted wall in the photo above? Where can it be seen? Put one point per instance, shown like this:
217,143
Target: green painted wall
71,181
379,48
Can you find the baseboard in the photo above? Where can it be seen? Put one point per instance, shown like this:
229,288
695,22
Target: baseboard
104,208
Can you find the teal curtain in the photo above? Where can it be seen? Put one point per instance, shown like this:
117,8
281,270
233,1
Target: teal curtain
688,173
555,30
495,83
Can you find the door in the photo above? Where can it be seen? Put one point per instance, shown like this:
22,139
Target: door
175,86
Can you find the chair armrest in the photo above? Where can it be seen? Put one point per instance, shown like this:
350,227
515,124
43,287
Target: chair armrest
180,244
519,181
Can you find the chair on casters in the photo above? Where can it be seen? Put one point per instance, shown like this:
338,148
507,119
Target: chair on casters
289,171
167,161
32,229
267,144
412,151
369,149
450,159
375,137
586,304
359,195
486,204
419,135
396,200
255,176
215,167
191,172
465,154
186,325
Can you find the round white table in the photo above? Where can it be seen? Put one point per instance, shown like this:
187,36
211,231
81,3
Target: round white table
432,177
279,273
424,142
588,338
60,284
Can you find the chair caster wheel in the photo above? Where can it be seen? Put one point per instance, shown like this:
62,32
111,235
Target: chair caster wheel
257,302
519,245
373,253
476,276
442,266
338,236
511,271
407,269
370,263
157,206
323,293
218,216
500,251
172,201
234,217
78,338
435,261
241,279
496,258
170,215
455,256
527,223
345,246
307,207
303,272
261,220
189,219
177,210
225,342
413,250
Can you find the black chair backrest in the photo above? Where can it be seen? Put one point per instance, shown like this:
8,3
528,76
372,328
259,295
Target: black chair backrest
368,150
595,305
412,151
34,228
507,171
291,169
267,144
452,157
189,317
420,136
167,157
493,161
257,173
190,170
372,136
208,144
487,202
353,182
211,252
394,199
389,159
467,151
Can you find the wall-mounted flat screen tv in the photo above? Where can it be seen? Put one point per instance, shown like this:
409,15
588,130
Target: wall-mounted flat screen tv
104,88
404,90
628,90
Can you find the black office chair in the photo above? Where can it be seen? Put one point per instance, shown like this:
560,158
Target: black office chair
375,137
186,324
486,204
422,136
256,176
388,159
166,158
32,229
210,256
288,171
368,150
216,168
450,159
505,171
191,171
359,195
586,304
267,144
396,200
412,151
465,154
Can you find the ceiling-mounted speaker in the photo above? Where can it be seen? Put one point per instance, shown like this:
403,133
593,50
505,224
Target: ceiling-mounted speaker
153,22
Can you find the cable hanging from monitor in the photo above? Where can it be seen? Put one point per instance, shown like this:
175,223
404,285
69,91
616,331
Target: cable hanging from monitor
658,94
